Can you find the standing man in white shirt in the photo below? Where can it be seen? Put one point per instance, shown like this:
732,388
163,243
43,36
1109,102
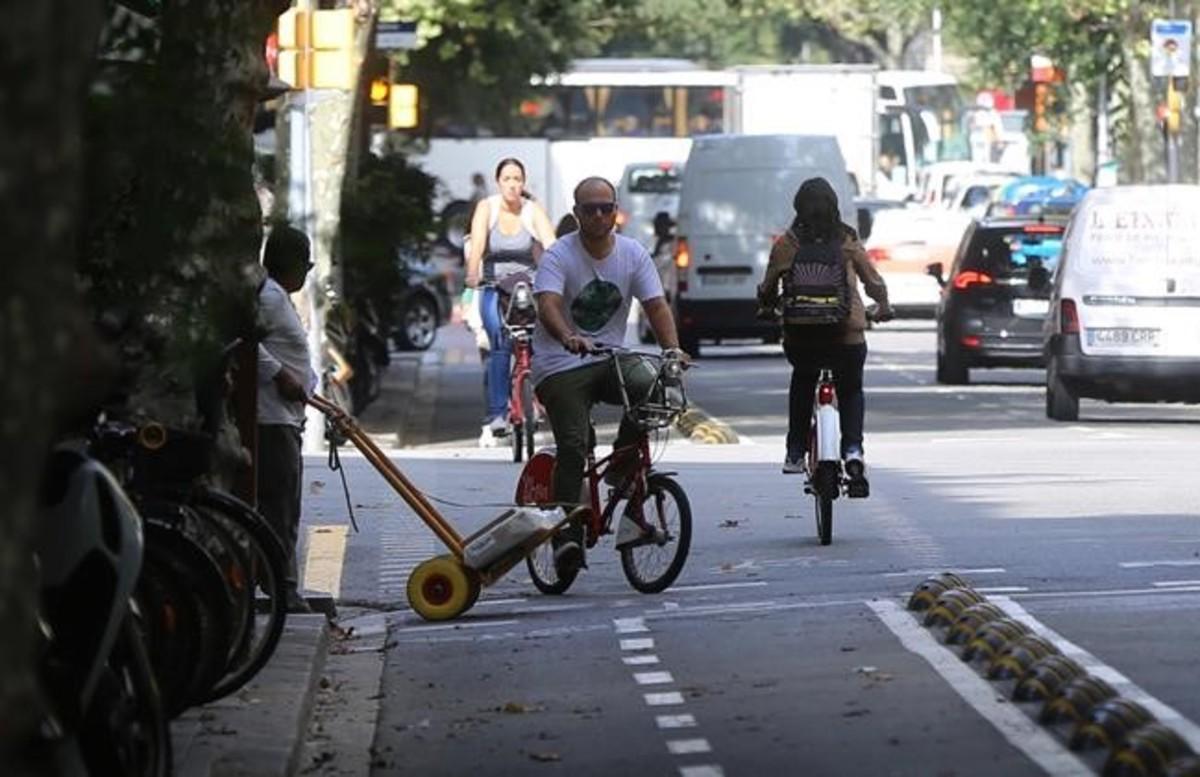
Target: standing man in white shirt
285,380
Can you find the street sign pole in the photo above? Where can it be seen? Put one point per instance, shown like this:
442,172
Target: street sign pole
1170,59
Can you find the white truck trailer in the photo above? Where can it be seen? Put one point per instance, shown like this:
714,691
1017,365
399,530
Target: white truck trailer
837,100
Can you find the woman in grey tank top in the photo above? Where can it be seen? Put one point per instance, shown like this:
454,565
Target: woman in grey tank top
503,231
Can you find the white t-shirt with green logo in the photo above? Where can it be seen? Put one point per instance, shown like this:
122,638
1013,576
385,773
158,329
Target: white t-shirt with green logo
596,296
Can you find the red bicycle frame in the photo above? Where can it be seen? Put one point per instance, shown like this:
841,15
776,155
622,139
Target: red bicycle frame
600,521
522,355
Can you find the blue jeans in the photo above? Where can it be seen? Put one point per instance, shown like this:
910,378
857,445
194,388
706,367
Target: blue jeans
499,361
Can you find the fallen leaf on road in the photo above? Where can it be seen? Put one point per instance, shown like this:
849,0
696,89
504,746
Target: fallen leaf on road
316,486
545,757
729,523
855,713
516,708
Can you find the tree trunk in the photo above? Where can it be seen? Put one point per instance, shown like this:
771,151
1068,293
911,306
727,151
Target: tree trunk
44,65
1142,160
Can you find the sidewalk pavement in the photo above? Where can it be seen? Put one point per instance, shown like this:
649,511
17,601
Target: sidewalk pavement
260,730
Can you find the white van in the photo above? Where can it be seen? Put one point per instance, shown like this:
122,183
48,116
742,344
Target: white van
1124,321
736,200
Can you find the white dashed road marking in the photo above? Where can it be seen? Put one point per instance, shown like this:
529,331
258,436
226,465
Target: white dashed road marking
663,699
675,721
630,625
641,643
653,678
688,746
645,660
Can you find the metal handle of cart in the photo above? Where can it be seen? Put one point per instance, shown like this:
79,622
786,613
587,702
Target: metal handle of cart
442,587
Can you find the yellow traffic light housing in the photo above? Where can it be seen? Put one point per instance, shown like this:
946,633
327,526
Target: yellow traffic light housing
403,108
380,89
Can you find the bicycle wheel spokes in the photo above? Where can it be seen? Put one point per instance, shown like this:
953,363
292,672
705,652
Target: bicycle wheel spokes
653,563
545,577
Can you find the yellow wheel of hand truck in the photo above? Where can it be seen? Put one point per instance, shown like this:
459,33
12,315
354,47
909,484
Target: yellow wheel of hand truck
441,588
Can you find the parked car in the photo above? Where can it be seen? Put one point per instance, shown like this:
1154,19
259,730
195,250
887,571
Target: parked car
735,201
996,295
972,194
422,304
903,243
1124,321
1034,194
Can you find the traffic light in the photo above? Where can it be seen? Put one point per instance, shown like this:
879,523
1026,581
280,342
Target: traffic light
403,106
1041,102
316,48
381,87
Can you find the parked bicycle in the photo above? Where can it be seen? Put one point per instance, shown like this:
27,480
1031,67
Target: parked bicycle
655,528
106,714
212,587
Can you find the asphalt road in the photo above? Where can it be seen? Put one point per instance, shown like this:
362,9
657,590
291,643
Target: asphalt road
772,654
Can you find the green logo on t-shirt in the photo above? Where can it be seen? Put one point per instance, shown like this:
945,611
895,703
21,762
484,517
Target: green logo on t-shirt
595,305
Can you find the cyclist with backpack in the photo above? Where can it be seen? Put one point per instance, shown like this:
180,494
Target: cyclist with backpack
812,281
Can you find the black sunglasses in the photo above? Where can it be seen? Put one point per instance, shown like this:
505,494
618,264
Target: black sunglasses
597,208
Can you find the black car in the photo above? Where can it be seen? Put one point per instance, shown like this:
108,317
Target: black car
423,302
996,296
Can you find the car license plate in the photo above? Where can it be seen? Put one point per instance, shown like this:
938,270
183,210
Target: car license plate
1032,308
722,279
1123,336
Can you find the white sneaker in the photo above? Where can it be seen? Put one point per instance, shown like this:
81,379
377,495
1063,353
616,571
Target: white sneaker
791,467
486,438
498,425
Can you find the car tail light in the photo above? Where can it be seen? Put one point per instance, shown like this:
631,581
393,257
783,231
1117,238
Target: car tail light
825,394
971,341
1068,317
683,260
1043,229
878,254
683,254
969,278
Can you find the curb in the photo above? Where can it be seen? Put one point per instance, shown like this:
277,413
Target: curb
700,427
260,730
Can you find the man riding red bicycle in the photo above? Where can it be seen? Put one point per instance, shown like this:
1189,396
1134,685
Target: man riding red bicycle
584,286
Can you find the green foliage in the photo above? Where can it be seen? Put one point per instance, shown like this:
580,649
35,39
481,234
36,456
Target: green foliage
476,56
389,206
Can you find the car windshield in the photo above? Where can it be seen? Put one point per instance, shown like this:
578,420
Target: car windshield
1007,252
654,180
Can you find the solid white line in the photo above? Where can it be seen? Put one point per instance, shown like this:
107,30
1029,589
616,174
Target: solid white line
1173,583
483,602
704,770
630,625
979,571
663,699
717,586
1124,686
1003,589
1020,730
688,746
474,625
653,678
1110,592
1168,563
675,721
647,660
639,643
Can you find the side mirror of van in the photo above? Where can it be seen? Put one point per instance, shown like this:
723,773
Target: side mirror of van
935,270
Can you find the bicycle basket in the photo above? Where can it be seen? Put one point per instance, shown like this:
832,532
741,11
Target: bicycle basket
516,300
666,399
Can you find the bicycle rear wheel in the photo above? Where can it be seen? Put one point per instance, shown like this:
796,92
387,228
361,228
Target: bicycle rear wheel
824,508
652,564
824,488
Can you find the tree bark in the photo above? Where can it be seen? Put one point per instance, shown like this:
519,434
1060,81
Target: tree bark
44,65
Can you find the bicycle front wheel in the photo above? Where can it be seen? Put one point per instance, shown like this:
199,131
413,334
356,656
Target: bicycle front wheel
652,564
545,577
